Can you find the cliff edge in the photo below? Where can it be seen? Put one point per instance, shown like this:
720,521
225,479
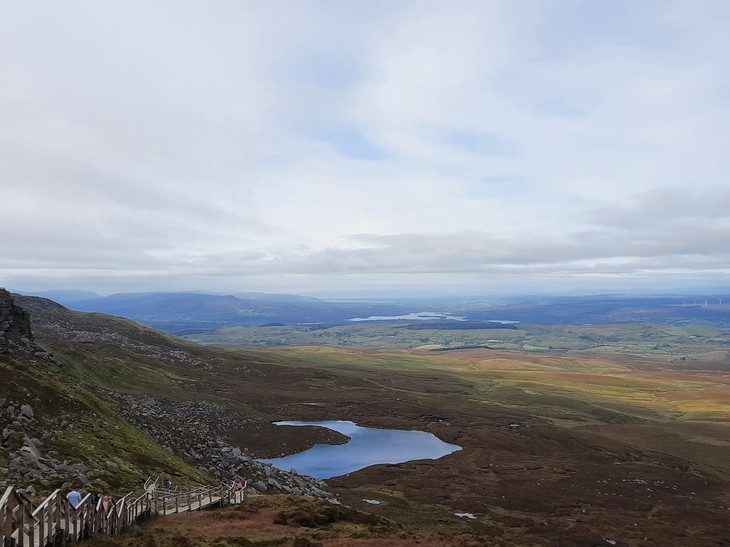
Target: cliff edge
16,335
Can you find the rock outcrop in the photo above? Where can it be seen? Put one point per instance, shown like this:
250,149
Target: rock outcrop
15,331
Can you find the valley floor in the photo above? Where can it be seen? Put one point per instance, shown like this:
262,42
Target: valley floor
558,450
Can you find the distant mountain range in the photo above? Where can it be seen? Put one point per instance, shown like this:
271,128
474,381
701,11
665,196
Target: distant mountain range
185,313
181,313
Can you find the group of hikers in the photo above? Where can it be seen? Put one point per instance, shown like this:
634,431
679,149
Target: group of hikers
107,502
237,484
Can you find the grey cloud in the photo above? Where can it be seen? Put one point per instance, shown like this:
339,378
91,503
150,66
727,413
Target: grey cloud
667,206
462,253
475,252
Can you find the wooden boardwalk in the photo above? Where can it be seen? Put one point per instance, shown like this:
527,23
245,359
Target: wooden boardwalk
57,520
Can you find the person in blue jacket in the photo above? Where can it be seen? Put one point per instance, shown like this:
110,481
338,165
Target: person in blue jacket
74,498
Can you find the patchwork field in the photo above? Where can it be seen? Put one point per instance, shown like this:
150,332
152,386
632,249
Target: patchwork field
704,344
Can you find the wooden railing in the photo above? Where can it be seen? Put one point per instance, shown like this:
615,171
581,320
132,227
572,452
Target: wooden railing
56,518
16,519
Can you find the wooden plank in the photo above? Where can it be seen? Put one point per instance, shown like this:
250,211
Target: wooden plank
4,522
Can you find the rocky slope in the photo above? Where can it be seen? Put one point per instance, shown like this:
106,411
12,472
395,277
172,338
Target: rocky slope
194,431
54,412
22,435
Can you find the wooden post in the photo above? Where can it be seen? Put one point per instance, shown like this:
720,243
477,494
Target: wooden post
75,526
41,516
66,515
31,525
81,516
21,522
113,521
2,515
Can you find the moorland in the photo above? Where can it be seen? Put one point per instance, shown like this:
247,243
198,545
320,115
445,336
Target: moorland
614,432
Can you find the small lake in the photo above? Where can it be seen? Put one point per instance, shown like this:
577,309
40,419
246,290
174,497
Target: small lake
367,446
419,316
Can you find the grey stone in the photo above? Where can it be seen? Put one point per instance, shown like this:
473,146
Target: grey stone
30,447
29,454
260,486
80,468
112,467
33,475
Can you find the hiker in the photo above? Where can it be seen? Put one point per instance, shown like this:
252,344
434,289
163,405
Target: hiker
168,484
74,498
106,503
239,485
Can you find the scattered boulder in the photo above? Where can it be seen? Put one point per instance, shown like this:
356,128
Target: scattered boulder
112,467
193,430
30,448
28,464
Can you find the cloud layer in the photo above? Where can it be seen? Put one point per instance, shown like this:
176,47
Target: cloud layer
364,146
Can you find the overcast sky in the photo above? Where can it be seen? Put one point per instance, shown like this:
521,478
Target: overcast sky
345,147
